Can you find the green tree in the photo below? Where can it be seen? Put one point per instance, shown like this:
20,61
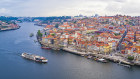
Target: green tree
130,58
116,34
53,34
39,33
45,33
56,25
112,23
74,22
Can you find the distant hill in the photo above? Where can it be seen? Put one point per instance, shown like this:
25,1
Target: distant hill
7,19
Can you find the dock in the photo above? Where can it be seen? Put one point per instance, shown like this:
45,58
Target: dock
74,51
114,58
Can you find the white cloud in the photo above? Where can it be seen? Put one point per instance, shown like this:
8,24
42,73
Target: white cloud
69,7
4,11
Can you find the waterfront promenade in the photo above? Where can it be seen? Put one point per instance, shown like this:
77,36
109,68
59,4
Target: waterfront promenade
114,56
71,50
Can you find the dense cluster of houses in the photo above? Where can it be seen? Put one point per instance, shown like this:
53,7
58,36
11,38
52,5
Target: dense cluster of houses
7,26
131,42
102,34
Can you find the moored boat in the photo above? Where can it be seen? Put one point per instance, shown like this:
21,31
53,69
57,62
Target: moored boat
34,57
125,65
46,48
102,60
89,57
82,55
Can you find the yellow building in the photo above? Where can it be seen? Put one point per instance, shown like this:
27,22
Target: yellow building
107,48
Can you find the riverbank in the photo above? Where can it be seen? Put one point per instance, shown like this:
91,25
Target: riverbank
114,57
10,29
73,51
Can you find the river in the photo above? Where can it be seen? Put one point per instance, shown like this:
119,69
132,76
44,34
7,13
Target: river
61,65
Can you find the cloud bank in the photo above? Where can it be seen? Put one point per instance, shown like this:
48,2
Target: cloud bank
69,7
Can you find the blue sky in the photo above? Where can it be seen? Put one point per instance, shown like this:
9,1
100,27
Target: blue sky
68,7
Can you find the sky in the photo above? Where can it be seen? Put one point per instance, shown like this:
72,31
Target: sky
69,7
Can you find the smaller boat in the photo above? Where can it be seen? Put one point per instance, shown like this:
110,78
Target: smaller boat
89,57
82,55
31,35
102,60
125,65
95,58
48,48
34,57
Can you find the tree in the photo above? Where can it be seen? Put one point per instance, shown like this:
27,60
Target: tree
112,23
39,33
116,34
56,25
130,58
45,33
53,34
74,22
92,38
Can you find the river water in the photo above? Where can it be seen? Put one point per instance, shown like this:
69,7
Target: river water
61,65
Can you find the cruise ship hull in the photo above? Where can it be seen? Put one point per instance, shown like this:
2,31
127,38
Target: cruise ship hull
34,57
